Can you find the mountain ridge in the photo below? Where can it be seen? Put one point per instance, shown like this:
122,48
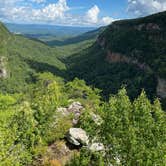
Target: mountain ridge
128,52
150,29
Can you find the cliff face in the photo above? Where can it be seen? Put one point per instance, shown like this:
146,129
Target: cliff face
117,57
141,42
3,70
161,88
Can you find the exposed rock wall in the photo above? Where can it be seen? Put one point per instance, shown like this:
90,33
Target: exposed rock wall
117,57
161,88
3,71
148,27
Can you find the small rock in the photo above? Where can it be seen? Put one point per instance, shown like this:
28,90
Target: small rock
3,73
75,122
97,119
96,147
75,107
77,136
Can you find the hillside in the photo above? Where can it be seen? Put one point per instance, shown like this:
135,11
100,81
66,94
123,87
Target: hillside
130,53
90,35
21,58
51,34
4,36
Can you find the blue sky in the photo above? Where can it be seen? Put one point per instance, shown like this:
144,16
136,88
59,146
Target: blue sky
116,8
76,12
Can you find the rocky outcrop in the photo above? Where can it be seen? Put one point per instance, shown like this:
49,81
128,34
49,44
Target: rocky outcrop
152,26
113,57
96,118
77,137
3,71
97,147
161,88
148,27
74,109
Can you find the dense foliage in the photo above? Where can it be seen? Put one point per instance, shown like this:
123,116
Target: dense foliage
133,132
91,65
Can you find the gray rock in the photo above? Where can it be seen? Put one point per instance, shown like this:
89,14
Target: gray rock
96,147
75,109
77,136
3,73
97,119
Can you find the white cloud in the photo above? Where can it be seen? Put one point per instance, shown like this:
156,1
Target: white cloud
145,7
107,20
26,13
92,17
52,13
38,1
92,14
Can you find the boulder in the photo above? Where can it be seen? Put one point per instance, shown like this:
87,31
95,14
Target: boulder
96,147
77,137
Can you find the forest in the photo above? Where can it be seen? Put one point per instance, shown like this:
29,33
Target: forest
133,132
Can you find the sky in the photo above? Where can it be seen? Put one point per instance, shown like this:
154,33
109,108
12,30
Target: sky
76,12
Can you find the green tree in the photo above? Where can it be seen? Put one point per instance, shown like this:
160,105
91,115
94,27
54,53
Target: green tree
77,89
134,132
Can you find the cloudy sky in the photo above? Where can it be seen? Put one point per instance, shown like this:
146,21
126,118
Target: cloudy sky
76,12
